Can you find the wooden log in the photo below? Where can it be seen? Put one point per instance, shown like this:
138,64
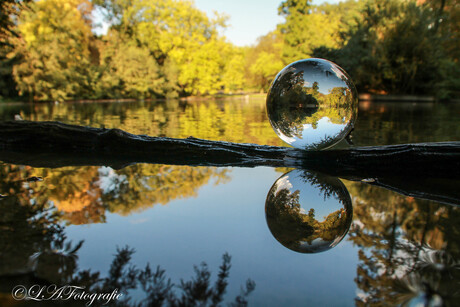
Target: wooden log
54,144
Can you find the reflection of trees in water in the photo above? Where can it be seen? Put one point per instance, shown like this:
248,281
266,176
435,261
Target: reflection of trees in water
157,288
34,250
33,246
293,226
396,123
28,233
230,120
76,193
28,222
83,194
292,104
57,265
143,185
409,248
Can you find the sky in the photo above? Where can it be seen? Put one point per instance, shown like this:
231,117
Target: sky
249,19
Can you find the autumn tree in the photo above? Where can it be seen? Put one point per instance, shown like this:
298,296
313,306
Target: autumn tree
128,70
9,11
181,39
233,78
308,27
400,47
264,60
54,47
447,26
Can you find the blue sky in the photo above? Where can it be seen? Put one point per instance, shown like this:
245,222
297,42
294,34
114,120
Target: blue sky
249,19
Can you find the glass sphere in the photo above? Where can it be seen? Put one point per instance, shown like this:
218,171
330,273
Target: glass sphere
312,104
308,212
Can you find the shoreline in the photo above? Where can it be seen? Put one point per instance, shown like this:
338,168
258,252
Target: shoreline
363,97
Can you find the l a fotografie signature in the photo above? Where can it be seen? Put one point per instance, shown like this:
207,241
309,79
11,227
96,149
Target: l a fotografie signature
67,292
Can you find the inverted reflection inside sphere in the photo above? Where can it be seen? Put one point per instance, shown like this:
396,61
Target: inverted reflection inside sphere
307,212
312,104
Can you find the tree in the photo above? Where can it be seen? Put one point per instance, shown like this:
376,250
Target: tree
178,36
447,25
202,67
7,84
264,60
128,70
308,27
399,47
447,21
54,47
9,11
234,78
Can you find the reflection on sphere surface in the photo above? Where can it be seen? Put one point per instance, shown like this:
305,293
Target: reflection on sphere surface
307,212
312,104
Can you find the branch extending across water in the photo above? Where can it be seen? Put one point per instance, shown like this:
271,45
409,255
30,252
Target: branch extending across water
54,144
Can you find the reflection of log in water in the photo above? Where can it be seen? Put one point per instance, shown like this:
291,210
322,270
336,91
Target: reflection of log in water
53,144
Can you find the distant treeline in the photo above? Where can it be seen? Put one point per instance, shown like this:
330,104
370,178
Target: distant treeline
169,48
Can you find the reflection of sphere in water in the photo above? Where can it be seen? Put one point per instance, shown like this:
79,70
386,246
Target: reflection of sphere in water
312,104
307,212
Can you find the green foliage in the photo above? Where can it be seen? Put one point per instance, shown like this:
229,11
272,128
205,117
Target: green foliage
233,78
397,47
387,46
153,49
179,35
128,69
309,27
54,47
305,30
264,60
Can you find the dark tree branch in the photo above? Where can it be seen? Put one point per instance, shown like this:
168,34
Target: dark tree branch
54,144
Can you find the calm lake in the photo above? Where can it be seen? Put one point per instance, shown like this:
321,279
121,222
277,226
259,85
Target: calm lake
394,249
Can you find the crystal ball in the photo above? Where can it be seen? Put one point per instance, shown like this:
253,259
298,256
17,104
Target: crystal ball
312,104
308,212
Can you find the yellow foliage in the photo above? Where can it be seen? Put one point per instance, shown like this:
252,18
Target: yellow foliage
54,47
